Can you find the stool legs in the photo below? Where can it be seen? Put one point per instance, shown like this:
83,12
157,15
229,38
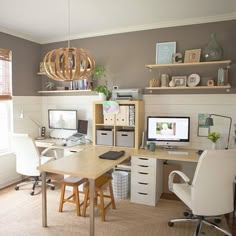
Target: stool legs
99,193
74,198
63,188
112,196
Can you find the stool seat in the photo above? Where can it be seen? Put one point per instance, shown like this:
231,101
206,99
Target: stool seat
74,182
101,184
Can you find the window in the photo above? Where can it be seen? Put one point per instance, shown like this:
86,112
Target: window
5,99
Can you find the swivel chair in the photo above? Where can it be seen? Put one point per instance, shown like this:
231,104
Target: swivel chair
211,192
28,159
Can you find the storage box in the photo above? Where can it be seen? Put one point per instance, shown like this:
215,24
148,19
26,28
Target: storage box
109,119
125,138
104,137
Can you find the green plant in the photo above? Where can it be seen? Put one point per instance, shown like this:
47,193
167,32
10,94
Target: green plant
99,72
103,89
213,136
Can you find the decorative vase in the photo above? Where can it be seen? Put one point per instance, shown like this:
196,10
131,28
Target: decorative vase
213,51
213,147
102,97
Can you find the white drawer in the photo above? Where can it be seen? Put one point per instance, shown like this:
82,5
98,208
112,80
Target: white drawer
144,187
142,197
143,161
142,169
143,178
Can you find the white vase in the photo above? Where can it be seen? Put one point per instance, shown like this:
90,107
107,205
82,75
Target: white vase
102,97
213,147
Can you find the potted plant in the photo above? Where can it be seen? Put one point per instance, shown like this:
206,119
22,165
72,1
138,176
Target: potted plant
103,91
213,136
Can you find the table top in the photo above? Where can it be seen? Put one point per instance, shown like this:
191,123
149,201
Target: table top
85,163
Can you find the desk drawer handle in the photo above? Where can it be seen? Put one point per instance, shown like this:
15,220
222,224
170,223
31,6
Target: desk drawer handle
143,173
141,158
143,166
142,193
142,183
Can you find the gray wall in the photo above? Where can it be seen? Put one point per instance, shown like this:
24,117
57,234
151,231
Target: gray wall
25,64
125,55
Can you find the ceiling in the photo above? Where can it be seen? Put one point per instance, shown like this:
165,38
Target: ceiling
45,21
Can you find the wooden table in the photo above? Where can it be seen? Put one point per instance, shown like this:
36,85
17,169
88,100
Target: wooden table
84,164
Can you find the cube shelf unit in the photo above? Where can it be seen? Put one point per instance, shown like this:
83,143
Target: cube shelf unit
115,126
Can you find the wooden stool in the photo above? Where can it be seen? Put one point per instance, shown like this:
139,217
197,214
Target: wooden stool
74,198
100,185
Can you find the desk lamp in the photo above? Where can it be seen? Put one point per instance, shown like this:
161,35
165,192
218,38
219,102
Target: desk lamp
22,116
209,122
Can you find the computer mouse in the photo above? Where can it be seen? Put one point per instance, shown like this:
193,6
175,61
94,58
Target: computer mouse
64,144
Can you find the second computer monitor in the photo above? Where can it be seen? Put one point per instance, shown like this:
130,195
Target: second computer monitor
83,127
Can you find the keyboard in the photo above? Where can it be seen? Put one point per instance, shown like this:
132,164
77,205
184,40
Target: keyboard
177,153
75,137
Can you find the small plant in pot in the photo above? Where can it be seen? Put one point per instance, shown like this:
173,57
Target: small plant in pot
103,90
213,136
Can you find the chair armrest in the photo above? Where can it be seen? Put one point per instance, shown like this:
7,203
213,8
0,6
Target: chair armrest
179,173
48,149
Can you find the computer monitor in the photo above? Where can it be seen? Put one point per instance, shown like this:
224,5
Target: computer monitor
82,127
168,131
62,119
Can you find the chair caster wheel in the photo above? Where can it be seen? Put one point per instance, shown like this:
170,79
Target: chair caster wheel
186,214
32,193
16,188
217,221
52,188
170,224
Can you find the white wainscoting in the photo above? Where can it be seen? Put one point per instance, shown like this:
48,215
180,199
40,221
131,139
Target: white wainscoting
36,107
192,105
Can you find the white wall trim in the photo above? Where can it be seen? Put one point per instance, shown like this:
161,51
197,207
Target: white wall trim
157,25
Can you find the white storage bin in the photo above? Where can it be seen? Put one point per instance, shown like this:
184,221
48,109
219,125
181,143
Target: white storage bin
120,183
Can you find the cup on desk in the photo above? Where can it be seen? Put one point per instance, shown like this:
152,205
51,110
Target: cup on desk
151,147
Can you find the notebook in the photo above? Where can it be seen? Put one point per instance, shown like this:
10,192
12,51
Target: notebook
112,155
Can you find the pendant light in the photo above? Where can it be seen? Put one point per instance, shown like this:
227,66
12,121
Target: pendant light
68,64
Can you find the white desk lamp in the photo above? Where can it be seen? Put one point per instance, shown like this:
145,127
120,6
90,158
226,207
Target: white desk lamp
22,116
209,122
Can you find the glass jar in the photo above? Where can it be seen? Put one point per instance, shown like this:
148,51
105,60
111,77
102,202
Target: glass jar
213,51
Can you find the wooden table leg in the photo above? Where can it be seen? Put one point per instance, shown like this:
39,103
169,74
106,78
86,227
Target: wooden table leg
91,204
44,200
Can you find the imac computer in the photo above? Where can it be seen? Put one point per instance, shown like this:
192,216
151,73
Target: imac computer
168,131
62,119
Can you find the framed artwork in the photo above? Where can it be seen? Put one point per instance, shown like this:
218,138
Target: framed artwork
165,52
203,129
192,55
179,81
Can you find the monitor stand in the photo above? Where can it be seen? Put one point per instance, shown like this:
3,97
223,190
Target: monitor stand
169,147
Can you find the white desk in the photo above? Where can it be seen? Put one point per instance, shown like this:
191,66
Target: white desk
87,164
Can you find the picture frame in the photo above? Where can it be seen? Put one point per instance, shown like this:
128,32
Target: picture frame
203,129
165,52
192,56
179,81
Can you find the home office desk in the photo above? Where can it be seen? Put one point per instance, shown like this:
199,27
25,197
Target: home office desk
87,164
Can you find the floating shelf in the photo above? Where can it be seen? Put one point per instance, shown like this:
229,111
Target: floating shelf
79,92
188,88
227,62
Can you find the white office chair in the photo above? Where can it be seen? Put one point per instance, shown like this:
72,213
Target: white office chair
28,159
211,192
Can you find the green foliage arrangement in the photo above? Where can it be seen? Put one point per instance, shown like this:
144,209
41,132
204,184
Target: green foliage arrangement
213,136
99,72
103,89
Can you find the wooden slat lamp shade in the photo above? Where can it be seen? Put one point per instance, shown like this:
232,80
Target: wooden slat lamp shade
5,74
68,64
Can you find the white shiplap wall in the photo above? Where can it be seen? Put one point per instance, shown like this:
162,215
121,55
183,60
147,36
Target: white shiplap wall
190,105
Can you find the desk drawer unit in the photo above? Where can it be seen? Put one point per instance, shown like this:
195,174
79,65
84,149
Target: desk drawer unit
146,180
